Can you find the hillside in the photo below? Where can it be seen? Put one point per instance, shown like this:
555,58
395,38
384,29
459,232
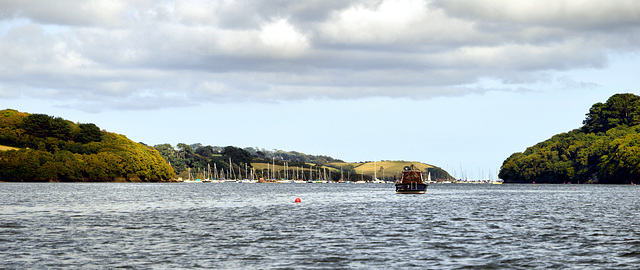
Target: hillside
389,169
197,159
39,147
605,150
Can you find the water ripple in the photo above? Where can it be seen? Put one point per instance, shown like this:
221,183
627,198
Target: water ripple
231,226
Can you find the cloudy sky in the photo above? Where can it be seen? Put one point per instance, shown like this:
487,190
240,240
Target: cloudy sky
458,84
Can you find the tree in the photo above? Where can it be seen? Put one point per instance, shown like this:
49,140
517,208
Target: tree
37,125
237,155
61,129
43,126
205,151
620,109
89,133
185,148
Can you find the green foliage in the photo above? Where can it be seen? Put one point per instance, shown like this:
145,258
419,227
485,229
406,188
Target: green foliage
206,151
184,147
38,125
89,133
43,126
605,150
183,158
620,109
54,149
237,155
290,156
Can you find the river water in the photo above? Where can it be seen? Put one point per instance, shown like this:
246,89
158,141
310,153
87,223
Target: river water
343,226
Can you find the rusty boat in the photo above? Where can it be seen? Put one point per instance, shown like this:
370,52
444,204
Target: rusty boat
411,181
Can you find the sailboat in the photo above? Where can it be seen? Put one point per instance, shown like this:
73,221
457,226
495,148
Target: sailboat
207,174
361,181
375,174
214,177
191,179
429,179
496,182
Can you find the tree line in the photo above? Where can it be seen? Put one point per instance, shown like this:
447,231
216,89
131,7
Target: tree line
606,149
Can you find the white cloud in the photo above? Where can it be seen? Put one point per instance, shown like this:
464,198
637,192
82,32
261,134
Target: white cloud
282,39
389,22
104,52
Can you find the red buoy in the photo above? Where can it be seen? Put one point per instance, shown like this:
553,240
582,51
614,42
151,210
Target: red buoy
298,200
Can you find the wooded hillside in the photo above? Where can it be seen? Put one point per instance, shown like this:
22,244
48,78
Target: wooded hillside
605,150
54,149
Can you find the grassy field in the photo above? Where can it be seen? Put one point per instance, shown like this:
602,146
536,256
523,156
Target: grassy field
6,148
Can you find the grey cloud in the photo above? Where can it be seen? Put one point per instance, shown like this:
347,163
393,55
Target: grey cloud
132,55
578,14
66,12
249,14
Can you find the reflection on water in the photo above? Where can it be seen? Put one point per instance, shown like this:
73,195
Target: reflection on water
206,225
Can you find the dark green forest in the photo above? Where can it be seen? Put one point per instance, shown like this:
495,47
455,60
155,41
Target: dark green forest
58,150
605,150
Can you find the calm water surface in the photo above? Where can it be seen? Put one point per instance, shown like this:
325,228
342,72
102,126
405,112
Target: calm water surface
345,226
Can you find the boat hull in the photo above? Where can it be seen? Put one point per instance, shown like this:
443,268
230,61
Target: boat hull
411,188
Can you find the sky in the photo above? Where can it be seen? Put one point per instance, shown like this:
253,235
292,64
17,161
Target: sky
457,84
